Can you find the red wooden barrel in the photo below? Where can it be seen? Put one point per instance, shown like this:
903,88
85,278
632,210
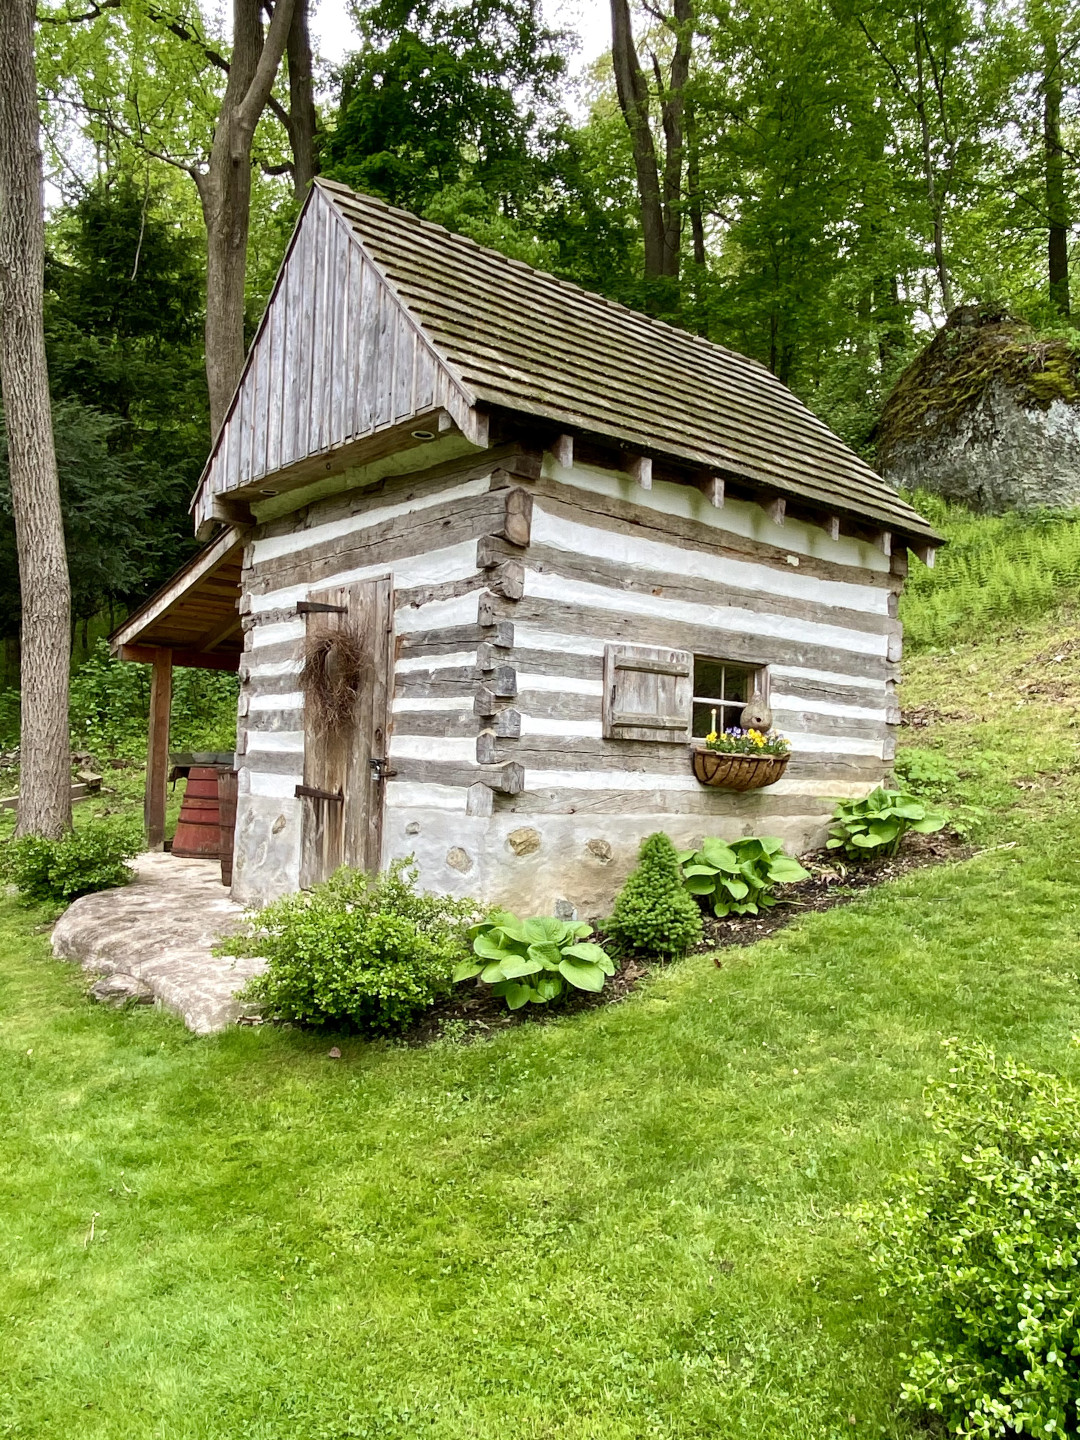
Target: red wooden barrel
198,831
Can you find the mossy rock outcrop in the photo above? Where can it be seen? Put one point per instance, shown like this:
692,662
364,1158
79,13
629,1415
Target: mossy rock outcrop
988,415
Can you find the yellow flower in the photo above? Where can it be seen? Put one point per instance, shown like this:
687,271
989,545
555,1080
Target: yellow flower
710,738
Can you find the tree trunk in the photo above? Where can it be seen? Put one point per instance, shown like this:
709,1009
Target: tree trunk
693,185
633,93
1057,202
45,781
672,116
302,119
225,193
932,194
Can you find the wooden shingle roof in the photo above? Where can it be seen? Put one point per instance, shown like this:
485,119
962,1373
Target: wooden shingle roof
523,340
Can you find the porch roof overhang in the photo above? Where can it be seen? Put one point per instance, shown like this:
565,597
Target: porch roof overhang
194,615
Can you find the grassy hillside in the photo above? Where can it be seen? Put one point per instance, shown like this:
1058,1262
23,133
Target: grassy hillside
996,571
633,1223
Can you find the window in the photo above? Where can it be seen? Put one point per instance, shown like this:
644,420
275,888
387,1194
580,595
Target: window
724,687
651,693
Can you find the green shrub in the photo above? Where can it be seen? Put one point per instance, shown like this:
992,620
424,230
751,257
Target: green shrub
981,1251
926,772
358,949
532,961
110,705
653,914
91,858
737,877
873,828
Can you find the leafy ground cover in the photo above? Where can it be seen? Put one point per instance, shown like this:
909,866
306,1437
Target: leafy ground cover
633,1222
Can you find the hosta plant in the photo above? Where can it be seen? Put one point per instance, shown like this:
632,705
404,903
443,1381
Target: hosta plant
875,826
737,877
532,961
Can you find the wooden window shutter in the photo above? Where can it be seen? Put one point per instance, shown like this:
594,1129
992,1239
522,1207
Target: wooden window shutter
648,693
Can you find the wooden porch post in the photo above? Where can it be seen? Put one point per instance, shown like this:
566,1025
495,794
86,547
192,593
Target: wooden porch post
157,751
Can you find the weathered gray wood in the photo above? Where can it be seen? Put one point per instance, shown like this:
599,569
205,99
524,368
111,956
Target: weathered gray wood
776,510
325,766
640,580
340,760
489,655
503,682
576,753
712,487
605,512
518,464
507,724
486,748
157,757
517,524
507,580
335,357
755,808
639,468
480,800
588,621
647,693
562,449
402,536
507,779
492,551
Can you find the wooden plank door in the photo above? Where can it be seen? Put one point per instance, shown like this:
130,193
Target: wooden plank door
349,763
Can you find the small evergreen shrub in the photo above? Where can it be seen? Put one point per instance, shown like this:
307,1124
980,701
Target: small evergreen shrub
653,913
873,828
981,1250
530,962
738,877
94,857
361,950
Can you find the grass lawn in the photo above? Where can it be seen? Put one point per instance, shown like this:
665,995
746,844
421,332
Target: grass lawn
632,1223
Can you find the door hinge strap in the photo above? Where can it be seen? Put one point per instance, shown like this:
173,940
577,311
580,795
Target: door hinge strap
316,607
312,792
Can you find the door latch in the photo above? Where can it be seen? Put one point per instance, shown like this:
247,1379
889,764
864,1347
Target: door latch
380,767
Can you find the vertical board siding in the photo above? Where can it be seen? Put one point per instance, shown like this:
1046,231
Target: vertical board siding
335,358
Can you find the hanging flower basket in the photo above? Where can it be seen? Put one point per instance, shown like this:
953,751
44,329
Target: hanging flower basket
736,772
739,759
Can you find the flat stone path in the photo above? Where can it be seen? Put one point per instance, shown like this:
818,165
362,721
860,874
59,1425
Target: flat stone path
160,930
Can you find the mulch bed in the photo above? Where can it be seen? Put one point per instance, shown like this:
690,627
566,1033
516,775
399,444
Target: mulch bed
472,1012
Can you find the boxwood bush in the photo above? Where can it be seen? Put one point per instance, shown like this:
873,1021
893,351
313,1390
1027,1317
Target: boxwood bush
358,950
981,1250
93,857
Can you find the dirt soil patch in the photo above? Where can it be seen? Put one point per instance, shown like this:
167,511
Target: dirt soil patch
472,1011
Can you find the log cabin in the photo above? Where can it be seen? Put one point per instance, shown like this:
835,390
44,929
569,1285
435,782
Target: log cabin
562,535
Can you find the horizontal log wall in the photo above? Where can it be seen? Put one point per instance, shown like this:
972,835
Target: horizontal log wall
611,563
503,783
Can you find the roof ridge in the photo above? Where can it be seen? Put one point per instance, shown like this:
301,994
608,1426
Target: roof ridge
653,320
678,379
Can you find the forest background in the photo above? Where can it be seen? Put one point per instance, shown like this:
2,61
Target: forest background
816,183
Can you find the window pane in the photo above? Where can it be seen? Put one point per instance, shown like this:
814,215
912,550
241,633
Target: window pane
709,678
727,717
736,684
